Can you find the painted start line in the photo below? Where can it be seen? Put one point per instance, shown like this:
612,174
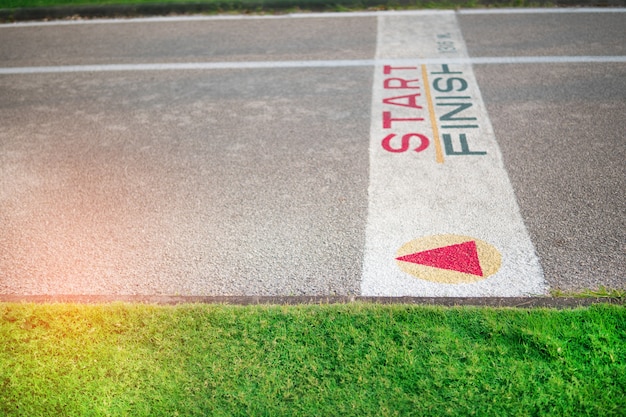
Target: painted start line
442,219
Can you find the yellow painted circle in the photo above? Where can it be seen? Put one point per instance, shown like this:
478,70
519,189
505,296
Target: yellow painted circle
488,257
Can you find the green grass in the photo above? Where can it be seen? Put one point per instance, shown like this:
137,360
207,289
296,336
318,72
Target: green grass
348,360
600,292
50,3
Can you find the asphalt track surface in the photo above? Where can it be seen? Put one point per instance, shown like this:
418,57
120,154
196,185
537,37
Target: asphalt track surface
236,156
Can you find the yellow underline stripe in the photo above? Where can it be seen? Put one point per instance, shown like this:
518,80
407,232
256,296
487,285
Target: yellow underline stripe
433,117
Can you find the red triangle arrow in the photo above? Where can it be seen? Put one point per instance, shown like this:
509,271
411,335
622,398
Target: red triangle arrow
461,257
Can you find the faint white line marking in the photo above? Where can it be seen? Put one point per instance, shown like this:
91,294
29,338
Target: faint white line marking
544,11
547,59
187,66
202,18
308,64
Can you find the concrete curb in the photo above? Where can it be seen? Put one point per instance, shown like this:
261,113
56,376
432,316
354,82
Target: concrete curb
247,6
497,302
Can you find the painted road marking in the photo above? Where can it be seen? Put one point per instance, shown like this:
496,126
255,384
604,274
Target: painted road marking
449,259
202,18
208,66
563,10
437,180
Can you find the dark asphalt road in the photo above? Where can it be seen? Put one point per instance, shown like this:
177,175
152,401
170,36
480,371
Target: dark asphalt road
253,181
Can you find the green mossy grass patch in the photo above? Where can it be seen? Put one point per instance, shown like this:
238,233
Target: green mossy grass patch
600,292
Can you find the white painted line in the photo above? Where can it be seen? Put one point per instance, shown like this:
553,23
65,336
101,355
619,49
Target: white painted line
563,10
160,19
442,218
546,60
208,18
189,66
309,64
